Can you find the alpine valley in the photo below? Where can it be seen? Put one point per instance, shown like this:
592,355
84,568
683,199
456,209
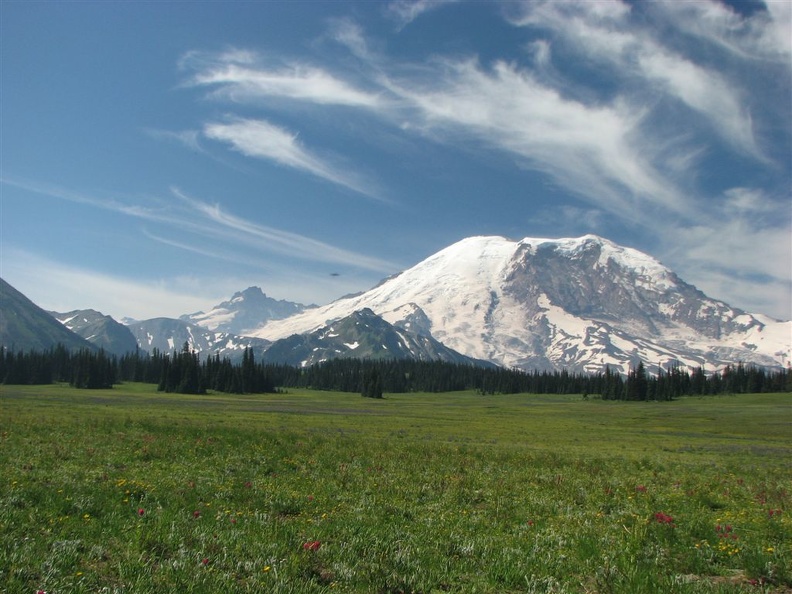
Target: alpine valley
577,304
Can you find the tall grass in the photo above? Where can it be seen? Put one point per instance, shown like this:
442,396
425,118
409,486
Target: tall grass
127,490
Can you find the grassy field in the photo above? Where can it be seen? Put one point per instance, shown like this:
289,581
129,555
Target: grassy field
128,490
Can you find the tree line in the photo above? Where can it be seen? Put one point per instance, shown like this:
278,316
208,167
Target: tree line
185,372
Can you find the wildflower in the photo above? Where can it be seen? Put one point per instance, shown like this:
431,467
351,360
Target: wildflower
663,518
267,568
641,489
311,545
205,561
725,531
196,514
141,512
248,485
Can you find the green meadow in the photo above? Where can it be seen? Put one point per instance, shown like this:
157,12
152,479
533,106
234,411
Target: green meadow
133,491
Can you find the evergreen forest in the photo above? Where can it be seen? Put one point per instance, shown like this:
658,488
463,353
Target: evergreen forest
185,372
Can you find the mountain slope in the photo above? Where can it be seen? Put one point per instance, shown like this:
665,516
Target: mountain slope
100,330
363,335
24,326
245,310
576,304
168,335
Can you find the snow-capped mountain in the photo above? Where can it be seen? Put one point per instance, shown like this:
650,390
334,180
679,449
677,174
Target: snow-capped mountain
576,304
364,335
100,330
168,335
244,311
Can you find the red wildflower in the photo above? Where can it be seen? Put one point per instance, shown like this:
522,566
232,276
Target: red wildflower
205,561
311,545
196,514
725,531
141,511
663,518
641,489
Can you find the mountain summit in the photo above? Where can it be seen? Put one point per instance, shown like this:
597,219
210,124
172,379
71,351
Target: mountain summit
577,303
245,310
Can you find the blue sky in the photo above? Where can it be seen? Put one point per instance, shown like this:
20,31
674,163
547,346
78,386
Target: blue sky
158,157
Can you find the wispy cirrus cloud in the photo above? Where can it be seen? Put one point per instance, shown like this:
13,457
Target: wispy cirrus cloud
737,256
242,77
263,140
278,240
200,219
405,12
186,138
140,211
590,149
607,33
764,35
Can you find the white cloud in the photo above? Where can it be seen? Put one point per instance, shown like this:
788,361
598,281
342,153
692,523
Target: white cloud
186,138
195,217
104,203
765,35
750,201
247,82
263,140
349,34
405,12
265,238
604,31
593,150
734,256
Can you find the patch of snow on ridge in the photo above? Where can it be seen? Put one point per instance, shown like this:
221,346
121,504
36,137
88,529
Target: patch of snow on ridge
351,345
558,318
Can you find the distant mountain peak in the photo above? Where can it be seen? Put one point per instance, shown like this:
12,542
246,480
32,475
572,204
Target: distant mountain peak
101,330
570,303
245,311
